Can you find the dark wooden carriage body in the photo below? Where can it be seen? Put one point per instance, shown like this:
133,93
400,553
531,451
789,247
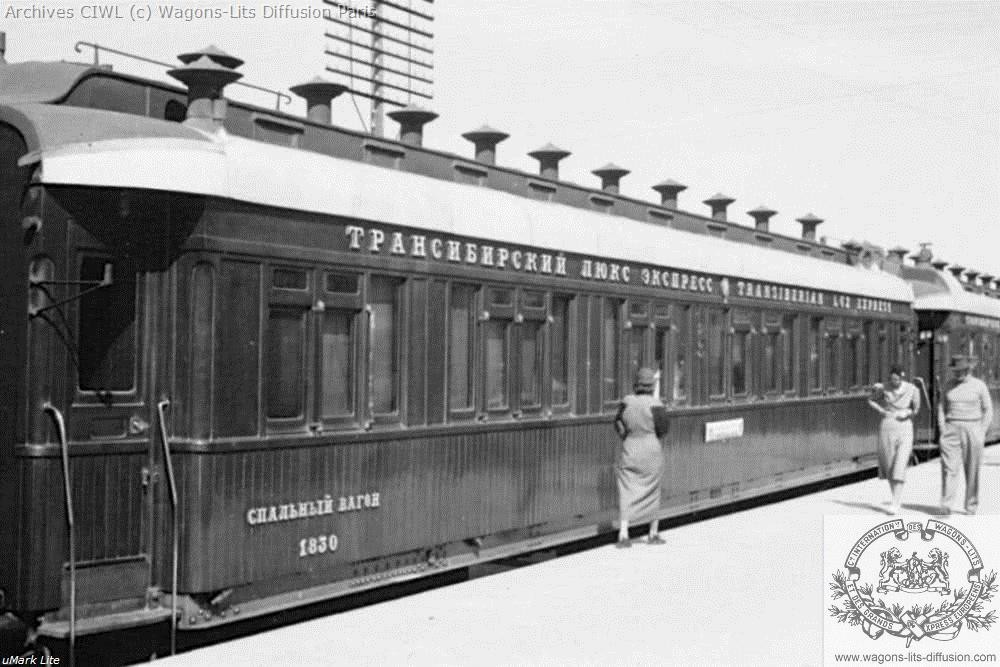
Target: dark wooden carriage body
340,416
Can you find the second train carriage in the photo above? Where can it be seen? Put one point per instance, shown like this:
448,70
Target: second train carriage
958,313
351,373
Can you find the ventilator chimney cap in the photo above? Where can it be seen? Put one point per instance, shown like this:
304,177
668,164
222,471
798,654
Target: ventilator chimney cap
809,223
761,217
318,93
669,190
412,119
213,53
548,157
485,140
610,174
718,203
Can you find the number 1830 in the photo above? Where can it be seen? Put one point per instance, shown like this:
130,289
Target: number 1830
312,546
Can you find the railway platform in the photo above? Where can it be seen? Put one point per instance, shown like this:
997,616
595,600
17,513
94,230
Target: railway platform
741,589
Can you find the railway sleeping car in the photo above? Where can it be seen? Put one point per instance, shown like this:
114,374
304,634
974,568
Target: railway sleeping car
958,313
253,361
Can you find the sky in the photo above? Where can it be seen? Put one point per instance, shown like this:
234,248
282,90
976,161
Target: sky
881,118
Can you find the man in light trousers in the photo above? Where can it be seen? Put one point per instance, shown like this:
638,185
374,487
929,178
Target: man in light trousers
964,415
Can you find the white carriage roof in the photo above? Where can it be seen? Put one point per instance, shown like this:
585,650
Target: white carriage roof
956,299
250,171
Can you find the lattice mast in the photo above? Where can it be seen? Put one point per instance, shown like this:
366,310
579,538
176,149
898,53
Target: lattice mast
383,52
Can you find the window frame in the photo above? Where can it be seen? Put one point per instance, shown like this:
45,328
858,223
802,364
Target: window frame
790,352
571,337
771,326
833,373
724,353
355,305
289,299
134,393
741,326
470,411
538,315
617,304
401,306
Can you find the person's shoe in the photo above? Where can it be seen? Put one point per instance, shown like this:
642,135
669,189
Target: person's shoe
656,539
624,544
893,508
945,510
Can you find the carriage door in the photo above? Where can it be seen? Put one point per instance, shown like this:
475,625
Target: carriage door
924,360
112,416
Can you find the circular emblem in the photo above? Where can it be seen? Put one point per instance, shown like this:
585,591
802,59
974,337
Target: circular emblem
914,582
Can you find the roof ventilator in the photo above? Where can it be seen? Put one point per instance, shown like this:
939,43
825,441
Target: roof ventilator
412,119
809,224
318,94
206,73
761,217
548,157
485,140
719,203
669,190
610,175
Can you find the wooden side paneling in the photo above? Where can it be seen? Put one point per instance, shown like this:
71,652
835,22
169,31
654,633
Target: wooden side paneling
436,341
449,487
237,350
416,350
107,497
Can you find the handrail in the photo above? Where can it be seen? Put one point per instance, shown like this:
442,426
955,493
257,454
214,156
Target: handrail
60,423
160,407
279,96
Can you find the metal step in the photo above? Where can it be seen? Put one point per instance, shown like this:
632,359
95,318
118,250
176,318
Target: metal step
59,629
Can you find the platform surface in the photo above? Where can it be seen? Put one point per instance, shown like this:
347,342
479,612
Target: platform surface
743,589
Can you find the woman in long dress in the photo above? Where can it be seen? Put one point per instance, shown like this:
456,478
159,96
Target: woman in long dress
898,402
639,468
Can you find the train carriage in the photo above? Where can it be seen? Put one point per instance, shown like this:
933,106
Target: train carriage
958,313
256,361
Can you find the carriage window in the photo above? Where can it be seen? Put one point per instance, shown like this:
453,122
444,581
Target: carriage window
337,355
531,299
833,368
772,372
636,349
289,279
716,360
681,355
740,349
788,350
851,359
560,350
638,308
532,347
461,346
661,350
869,365
342,283
612,344
501,297
815,349
497,344
385,344
882,370
284,353
903,352
107,328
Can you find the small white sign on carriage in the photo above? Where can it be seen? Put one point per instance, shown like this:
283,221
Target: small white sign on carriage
730,428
